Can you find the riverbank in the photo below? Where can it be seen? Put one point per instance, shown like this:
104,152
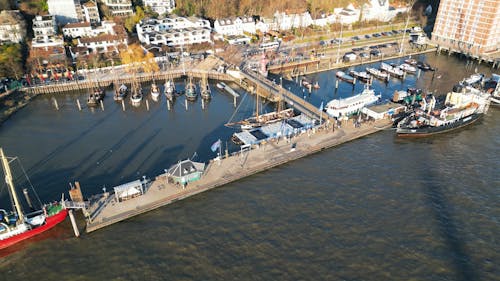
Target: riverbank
12,101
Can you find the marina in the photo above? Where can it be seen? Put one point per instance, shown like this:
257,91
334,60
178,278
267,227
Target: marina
370,156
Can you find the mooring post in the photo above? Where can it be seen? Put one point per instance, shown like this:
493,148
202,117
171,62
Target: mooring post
336,83
55,104
418,73
186,104
102,105
147,105
123,105
78,104
73,223
202,103
168,105
354,81
234,101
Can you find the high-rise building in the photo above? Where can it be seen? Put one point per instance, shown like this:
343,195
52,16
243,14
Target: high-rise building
468,26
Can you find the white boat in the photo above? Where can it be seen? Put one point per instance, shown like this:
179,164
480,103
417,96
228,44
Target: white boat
205,91
408,68
473,79
191,94
391,70
155,92
377,73
221,85
351,105
363,76
169,89
136,97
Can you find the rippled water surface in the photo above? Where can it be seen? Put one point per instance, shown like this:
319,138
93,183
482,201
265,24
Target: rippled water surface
377,208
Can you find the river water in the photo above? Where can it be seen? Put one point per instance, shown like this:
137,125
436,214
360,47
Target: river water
377,208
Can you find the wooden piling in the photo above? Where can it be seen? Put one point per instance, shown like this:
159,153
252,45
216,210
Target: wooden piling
73,223
186,104
55,104
102,105
78,104
147,105
123,105
168,104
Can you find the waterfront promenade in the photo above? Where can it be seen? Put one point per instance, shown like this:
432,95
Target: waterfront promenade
105,210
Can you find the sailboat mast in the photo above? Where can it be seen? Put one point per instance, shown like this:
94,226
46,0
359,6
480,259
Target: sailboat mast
10,183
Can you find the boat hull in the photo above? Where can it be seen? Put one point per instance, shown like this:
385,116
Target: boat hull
430,130
50,222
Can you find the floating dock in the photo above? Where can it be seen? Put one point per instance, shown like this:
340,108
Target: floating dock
106,209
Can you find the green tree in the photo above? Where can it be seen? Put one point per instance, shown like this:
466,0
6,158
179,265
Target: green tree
11,61
130,22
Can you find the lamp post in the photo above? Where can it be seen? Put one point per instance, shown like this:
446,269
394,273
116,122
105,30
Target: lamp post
340,40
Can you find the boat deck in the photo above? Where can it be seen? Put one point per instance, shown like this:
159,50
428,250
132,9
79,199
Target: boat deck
105,210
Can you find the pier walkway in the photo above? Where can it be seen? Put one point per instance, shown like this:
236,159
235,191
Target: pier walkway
279,93
106,210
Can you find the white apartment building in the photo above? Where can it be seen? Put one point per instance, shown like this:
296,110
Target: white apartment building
91,12
12,26
160,6
85,29
65,11
286,21
235,26
174,31
103,43
347,15
44,28
120,8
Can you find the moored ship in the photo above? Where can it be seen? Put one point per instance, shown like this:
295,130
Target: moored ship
463,106
351,105
17,226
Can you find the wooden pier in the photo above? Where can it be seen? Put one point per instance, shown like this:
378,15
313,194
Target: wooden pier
106,210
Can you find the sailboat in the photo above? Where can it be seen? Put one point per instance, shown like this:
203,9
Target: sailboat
191,94
120,93
170,89
262,119
155,92
136,97
17,226
206,93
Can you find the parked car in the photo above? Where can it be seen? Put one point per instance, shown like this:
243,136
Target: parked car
350,56
375,53
368,36
363,55
376,35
